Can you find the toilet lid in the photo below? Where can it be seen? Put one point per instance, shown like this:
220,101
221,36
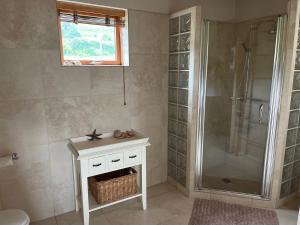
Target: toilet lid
13,217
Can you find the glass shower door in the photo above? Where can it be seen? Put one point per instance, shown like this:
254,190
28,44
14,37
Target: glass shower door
237,98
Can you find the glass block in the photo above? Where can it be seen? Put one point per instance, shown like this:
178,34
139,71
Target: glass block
181,177
298,136
291,137
173,78
285,189
174,44
297,153
172,126
185,23
182,114
173,62
171,171
287,172
295,101
181,161
295,184
183,97
172,95
172,141
184,61
183,80
181,146
289,155
297,64
293,119
296,169
298,43
174,25
172,112
185,40
296,84
172,156
181,130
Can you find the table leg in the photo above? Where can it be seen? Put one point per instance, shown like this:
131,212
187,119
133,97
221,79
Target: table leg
84,193
75,177
144,180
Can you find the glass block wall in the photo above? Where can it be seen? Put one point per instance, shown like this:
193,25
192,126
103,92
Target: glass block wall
291,169
179,63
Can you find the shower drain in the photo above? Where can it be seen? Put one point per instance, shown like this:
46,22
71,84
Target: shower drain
226,180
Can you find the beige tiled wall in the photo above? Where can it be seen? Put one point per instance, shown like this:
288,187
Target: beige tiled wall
42,104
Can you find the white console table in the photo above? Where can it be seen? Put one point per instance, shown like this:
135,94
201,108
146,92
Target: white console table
91,158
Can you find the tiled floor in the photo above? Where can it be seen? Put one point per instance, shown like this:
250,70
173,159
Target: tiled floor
166,206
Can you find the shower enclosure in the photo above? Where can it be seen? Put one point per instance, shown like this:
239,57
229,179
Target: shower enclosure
239,98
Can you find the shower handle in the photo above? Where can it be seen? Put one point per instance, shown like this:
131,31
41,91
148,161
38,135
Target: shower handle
260,112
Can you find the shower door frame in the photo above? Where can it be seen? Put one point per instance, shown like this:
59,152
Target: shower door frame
275,102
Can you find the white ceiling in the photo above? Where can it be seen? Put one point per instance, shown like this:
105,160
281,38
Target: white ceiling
212,9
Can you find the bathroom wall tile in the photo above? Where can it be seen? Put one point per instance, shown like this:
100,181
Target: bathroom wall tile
20,75
38,204
108,80
63,200
62,114
24,119
154,39
34,26
61,164
147,73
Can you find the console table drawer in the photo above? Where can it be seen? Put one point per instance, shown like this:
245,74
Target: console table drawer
115,161
132,157
97,165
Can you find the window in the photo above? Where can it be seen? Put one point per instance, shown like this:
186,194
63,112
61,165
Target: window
91,35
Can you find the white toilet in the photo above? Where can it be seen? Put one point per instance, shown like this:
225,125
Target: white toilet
13,217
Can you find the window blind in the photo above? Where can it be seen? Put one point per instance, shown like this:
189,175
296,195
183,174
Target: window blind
87,14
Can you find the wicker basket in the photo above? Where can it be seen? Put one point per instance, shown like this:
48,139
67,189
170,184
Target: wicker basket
113,186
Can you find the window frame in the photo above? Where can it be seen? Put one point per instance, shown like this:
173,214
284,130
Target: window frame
118,38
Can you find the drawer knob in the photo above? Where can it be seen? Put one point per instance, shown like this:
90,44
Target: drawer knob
132,157
96,165
116,160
